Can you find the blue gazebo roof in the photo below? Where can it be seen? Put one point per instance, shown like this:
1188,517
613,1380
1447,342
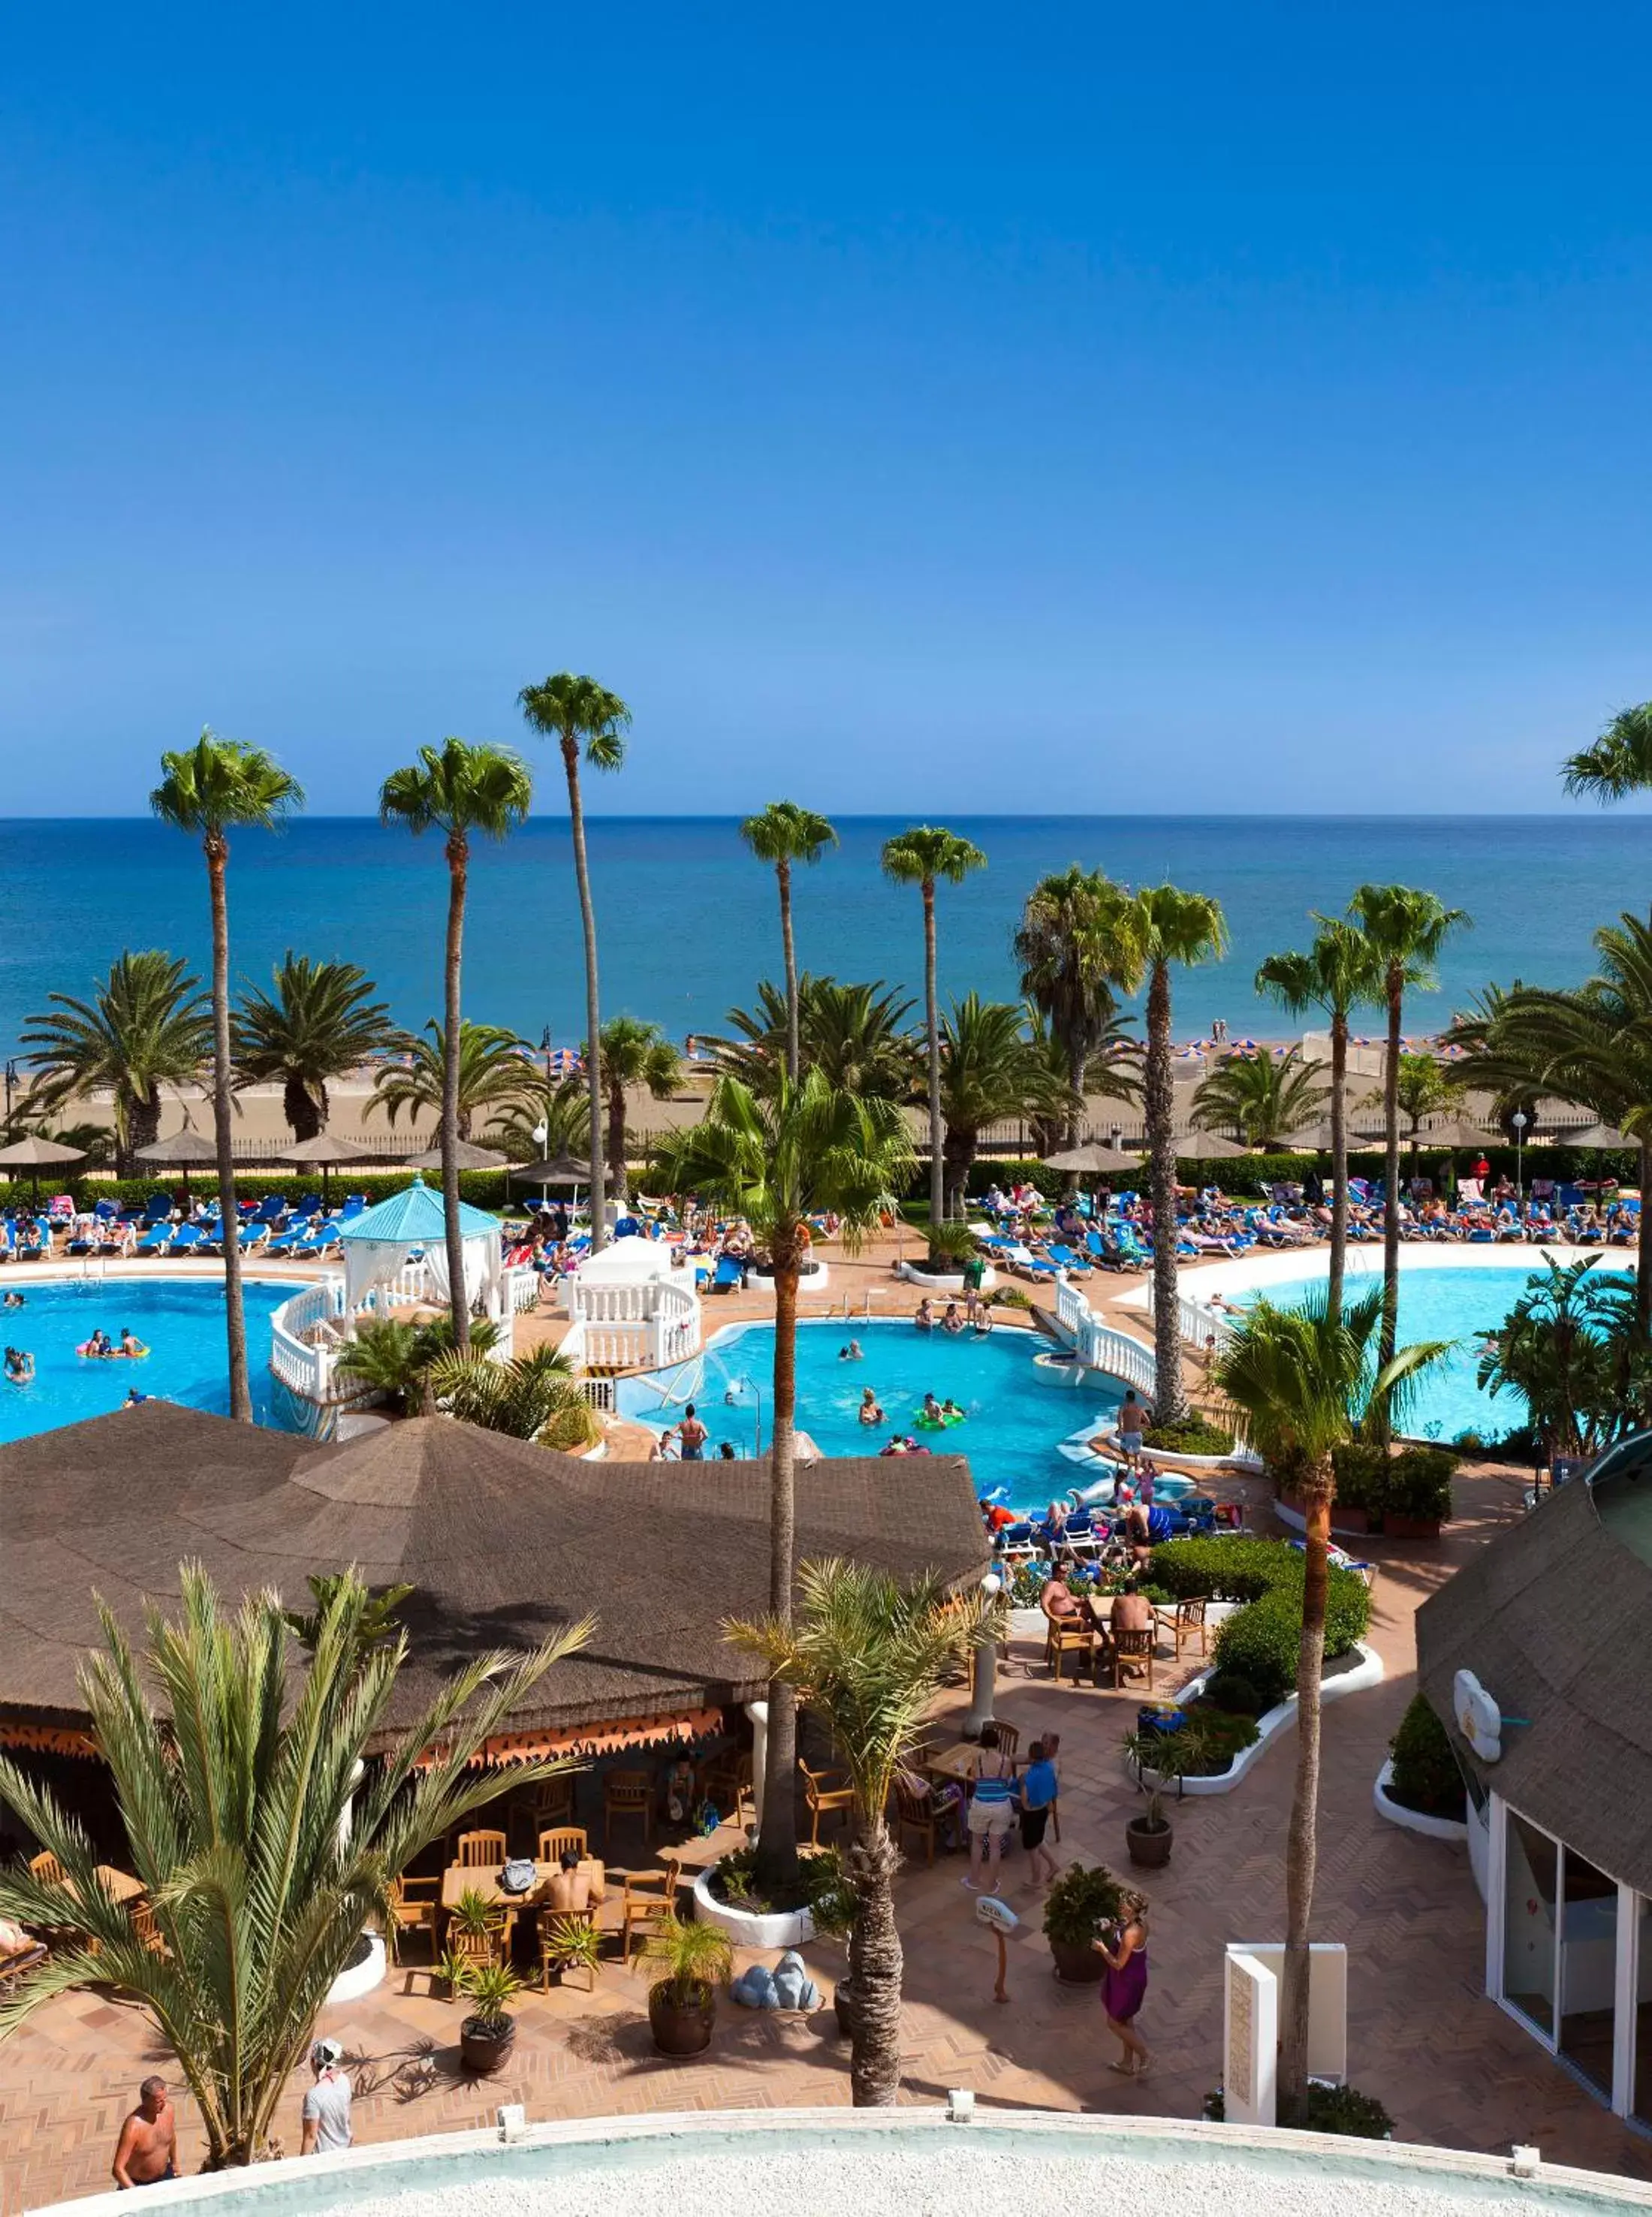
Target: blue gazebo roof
414,1216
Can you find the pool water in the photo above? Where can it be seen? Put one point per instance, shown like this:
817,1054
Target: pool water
1459,1305
181,1322
1018,1413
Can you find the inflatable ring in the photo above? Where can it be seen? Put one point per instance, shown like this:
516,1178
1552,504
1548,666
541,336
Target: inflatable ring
110,1354
939,1424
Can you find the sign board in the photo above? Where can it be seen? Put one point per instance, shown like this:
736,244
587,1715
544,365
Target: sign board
1250,2039
1327,2001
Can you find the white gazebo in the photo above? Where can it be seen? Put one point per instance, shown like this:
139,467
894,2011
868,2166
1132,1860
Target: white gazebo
380,1243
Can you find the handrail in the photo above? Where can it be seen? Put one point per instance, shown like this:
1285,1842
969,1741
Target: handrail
1102,1346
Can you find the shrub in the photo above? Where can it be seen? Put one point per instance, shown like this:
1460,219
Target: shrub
1426,1776
1361,1474
1228,1691
1346,2109
1419,1483
1081,1903
482,1189
1192,1435
1260,1642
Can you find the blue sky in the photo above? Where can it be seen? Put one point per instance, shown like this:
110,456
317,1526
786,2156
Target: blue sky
925,409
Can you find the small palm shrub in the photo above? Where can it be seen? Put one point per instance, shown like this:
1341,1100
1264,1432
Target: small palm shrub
688,1961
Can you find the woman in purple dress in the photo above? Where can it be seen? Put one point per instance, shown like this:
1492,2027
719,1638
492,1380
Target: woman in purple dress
1124,1987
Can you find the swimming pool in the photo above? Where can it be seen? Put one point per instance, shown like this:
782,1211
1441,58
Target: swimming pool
180,1320
1461,1305
1018,1412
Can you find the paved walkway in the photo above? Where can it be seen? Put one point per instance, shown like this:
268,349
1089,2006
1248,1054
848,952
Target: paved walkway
1449,2064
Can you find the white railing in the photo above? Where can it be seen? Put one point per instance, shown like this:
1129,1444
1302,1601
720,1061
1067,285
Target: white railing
306,1366
1197,1324
522,1289
1100,1346
644,1325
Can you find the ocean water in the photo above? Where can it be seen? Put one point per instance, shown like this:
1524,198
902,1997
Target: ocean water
688,921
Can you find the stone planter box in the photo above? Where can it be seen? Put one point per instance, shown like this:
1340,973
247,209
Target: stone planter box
943,1282
744,1927
1396,1527
1367,1671
1414,1820
1350,1523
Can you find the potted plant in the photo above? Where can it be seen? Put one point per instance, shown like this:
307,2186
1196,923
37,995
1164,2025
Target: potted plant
689,1963
1165,1758
486,2035
1078,1908
1419,1493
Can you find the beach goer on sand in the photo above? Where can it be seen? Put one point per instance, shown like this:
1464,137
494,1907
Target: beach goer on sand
147,2150
326,2114
923,1315
1124,1987
20,1365
851,1353
1039,1787
952,1321
869,1412
992,1809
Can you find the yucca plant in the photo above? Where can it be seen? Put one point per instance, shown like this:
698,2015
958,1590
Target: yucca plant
490,1988
263,1835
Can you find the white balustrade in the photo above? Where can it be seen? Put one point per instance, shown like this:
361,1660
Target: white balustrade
1100,1346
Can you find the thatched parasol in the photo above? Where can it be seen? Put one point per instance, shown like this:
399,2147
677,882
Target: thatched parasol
467,1154
35,1154
327,1149
185,1151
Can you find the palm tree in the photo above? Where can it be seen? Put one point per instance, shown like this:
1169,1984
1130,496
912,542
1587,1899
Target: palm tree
854,1034
533,1397
1592,1046
1068,946
776,1161
1157,927
923,856
1260,1101
389,1356
1425,1086
260,1846
1336,974
321,1023
462,790
1405,929
785,834
1306,1381
992,1071
552,1117
1618,763
633,1054
145,1027
1109,1071
218,786
577,712
496,1079
868,1656
1560,1349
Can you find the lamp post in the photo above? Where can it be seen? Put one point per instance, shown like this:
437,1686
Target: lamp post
984,1668
1519,1121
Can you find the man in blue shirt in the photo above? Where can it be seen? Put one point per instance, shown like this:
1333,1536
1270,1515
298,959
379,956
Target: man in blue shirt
1036,1793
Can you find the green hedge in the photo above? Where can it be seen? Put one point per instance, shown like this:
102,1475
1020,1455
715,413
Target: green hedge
482,1189
1415,1482
1251,1174
1426,1776
1260,1641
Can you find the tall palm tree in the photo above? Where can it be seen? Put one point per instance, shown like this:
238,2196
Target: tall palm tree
1337,974
868,1656
496,1079
1158,928
217,787
145,1027
1405,929
461,790
578,712
1112,1071
633,1054
923,856
854,1034
776,1161
1425,1086
321,1022
993,1070
1307,1383
1592,1046
1618,763
784,834
1261,1101
262,1848
1071,958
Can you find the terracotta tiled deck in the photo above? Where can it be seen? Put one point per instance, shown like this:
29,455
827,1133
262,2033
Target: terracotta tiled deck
1451,2067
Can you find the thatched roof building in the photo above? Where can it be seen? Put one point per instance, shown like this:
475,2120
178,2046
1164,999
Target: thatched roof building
501,1541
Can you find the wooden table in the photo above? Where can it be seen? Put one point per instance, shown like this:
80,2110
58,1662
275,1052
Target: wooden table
459,1879
956,1763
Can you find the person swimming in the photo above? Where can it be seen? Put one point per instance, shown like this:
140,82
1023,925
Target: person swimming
99,1345
851,1353
952,1321
931,1410
14,1300
20,1365
869,1412
950,1409
130,1346
923,1315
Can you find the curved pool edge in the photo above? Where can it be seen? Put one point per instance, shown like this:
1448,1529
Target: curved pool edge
457,2159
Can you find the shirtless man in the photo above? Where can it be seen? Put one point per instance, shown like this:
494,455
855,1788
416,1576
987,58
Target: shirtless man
577,1886
147,2151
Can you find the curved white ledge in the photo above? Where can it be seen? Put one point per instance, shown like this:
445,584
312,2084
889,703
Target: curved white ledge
1366,1672
1414,1820
744,1927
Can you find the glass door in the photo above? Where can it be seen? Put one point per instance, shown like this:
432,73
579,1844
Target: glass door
1588,1969
1640,2107
1530,1921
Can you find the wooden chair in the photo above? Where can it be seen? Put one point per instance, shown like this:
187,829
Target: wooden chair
12,1965
726,1784
650,1897
1131,1649
1009,1737
628,1793
480,1851
554,1844
46,1867
821,1795
415,1906
1188,1623
917,1810
565,1938
148,1931
478,1947
553,1800
1064,1640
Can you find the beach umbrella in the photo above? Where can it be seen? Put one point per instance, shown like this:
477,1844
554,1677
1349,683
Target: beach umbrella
1210,1146
467,1154
185,1151
1092,1160
326,1150
1599,1137
558,1170
35,1154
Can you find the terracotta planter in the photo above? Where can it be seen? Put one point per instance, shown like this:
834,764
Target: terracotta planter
682,2028
483,2044
1149,1845
1396,1527
843,2006
1077,1967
